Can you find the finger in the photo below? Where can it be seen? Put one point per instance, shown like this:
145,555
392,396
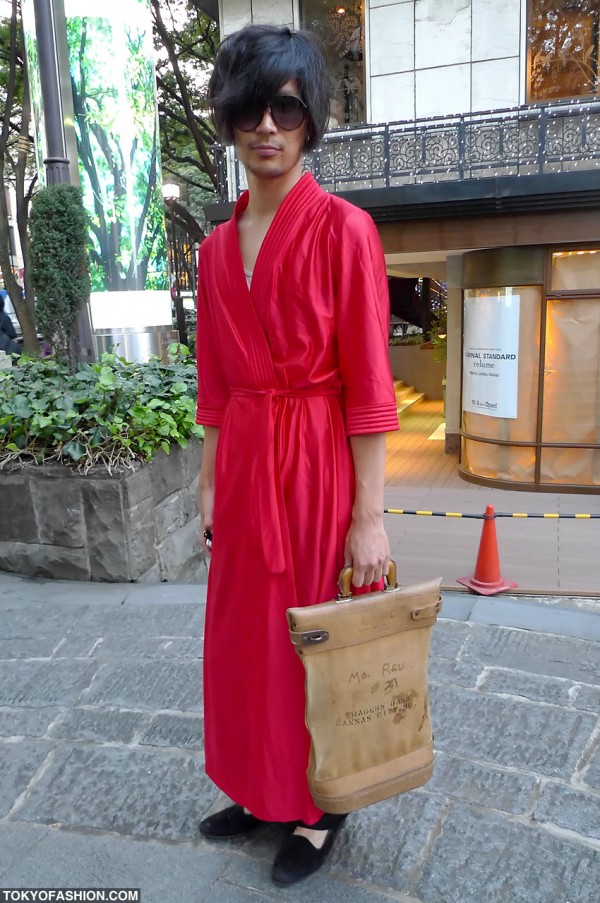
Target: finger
358,577
369,577
377,575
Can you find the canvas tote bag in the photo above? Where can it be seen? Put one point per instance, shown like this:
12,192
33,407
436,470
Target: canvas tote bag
367,702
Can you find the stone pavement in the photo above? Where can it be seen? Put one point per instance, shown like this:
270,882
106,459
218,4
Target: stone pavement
101,768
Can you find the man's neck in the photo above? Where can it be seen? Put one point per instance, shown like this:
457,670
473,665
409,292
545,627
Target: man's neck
266,195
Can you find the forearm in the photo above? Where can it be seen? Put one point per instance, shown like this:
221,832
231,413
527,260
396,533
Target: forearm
368,453
209,457
207,481
367,547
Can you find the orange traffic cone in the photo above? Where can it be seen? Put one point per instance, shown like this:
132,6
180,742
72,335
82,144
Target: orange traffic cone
487,579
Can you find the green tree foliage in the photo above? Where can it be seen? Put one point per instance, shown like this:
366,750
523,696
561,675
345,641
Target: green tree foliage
16,163
59,265
118,151
186,41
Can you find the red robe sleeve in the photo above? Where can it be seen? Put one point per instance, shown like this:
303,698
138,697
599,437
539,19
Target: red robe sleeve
213,393
363,315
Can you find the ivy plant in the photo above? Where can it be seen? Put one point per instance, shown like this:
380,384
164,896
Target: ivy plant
112,413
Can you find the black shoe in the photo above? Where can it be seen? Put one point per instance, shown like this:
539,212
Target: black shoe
298,857
229,822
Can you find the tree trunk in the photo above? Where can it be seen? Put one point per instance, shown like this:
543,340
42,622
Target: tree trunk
24,309
27,315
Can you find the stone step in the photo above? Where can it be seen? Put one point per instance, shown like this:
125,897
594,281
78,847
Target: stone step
401,389
406,395
404,392
409,400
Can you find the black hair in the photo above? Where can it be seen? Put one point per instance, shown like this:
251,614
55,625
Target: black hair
254,62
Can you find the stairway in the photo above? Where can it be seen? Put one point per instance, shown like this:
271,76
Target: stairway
406,396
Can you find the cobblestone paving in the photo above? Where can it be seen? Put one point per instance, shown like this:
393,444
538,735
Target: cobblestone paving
101,762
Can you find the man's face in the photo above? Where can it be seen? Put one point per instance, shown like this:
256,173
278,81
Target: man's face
269,151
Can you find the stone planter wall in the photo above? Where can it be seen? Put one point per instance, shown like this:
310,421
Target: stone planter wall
134,525
416,366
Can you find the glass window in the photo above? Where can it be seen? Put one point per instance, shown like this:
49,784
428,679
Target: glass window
570,466
572,372
563,49
340,28
498,462
575,270
521,428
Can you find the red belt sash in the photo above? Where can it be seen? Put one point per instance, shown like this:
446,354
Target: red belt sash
264,475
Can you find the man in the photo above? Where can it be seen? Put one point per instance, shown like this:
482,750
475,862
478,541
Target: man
8,332
295,393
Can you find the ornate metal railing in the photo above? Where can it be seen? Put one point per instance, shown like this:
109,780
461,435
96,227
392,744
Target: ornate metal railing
546,138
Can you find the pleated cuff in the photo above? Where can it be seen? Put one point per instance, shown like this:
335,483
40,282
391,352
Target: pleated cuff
209,415
377,418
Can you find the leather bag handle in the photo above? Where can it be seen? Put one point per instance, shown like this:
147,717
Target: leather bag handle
345,581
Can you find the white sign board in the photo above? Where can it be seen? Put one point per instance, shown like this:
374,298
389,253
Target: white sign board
491,355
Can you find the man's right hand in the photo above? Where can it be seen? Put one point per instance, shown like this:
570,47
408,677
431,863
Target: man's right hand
206,517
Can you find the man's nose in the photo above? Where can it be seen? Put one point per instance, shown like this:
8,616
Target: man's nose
267,124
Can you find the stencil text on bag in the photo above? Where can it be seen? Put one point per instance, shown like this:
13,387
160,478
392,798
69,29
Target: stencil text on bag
397,708
362,716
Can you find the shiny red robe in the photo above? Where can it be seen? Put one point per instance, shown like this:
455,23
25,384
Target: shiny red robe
288,369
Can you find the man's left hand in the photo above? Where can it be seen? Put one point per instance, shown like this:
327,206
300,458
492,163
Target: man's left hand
367,550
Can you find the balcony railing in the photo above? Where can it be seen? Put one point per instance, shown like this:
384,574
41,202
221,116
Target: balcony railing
521,141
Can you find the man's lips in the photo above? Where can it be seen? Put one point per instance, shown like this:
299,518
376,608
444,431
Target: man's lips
265,150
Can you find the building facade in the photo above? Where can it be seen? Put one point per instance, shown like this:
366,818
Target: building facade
470,130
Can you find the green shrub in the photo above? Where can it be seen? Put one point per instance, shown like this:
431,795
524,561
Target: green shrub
112,413
416,339
440,344
59,265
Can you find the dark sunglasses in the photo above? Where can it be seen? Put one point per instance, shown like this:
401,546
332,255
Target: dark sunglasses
288,113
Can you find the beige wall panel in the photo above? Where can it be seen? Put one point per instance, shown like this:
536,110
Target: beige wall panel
490,231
